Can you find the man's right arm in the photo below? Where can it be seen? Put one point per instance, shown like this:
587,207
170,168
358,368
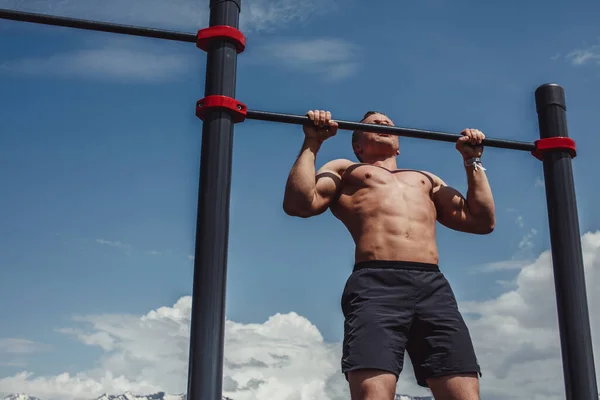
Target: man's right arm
309,193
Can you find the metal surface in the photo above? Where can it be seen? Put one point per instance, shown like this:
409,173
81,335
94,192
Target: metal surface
394,130
212,226
96,26
571,297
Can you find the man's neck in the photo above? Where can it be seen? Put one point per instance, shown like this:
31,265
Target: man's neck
387,163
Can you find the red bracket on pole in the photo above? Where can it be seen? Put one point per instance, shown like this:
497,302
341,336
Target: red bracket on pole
206,35
543,146
221,103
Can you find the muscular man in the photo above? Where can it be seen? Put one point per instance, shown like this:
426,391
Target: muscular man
396,298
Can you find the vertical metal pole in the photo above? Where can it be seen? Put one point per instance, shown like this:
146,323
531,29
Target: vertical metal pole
205,373
573,317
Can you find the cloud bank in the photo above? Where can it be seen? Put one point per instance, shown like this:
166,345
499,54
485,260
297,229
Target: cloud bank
14,351
117,59
184,15
332,59
145,61
286,358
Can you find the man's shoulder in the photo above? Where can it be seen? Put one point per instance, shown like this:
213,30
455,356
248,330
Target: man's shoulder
338,165
341,161
430,174
437,181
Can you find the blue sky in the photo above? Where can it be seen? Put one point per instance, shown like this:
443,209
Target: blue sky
99,150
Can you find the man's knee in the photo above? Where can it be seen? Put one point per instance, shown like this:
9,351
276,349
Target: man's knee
455,387
371,384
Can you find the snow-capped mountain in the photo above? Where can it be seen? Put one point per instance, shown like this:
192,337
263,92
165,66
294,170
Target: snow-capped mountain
155,396
129,396
124,396
407,397
163,396
20,397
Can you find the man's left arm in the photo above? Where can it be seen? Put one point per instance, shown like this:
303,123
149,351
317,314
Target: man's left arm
476,212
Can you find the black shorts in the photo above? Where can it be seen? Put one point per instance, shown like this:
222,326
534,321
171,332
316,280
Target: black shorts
392,306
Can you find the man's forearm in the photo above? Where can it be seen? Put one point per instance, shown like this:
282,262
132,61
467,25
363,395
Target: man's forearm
299,190
480,201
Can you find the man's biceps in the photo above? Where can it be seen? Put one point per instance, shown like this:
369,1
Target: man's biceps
441,194
328,176
450,193
448,198
326,191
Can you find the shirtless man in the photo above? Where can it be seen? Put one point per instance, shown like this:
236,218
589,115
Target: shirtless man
396,298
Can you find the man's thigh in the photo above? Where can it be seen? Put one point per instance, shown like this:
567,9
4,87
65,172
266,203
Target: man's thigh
439,343
455,387
372,384
378,309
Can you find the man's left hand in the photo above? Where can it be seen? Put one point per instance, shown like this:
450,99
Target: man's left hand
469,145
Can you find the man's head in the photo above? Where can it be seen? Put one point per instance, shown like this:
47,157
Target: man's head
369,145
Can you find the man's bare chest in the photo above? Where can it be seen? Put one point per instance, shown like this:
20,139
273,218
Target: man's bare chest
363,176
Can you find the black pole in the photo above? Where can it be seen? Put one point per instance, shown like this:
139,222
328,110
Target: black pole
96,26
573,316
205,373
394,130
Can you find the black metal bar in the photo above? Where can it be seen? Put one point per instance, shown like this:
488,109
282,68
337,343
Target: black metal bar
212,226
394,130
573,316
96,26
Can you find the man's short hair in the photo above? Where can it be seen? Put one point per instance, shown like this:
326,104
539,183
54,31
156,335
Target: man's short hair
355,133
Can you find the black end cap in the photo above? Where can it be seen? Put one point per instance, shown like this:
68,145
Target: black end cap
238,3
550,94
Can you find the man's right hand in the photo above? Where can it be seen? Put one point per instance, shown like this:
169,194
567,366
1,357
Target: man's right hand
322,128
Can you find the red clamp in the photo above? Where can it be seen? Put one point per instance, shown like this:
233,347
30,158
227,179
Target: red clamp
543,146
221,103
206,35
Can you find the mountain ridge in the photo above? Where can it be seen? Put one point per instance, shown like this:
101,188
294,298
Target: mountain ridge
163,396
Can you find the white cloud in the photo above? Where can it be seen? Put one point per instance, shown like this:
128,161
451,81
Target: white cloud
520,222
521,258
555,57
285,357
113,243
13,351
112,59
583,56
183,15
67,386
539,182
332,59
504,265
516,334
526,243
270,14
15,362
135,60
20,346
126,248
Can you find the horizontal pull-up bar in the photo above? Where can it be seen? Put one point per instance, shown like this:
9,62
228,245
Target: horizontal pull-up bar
393,130
96,26
239,113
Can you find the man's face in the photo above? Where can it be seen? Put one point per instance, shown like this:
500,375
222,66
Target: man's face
380,144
